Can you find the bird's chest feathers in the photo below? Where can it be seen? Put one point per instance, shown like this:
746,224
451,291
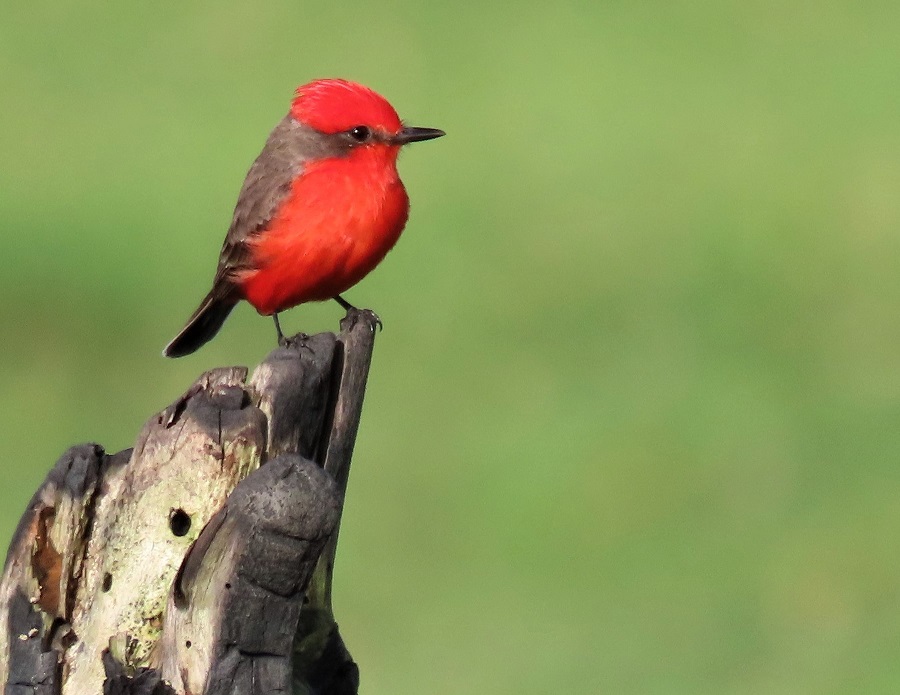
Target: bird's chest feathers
340,218
359,197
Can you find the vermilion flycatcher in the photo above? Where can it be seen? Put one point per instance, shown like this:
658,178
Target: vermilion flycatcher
319,209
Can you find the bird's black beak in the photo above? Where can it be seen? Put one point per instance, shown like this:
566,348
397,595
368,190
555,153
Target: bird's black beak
407,135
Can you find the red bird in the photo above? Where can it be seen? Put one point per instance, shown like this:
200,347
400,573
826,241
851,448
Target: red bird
320,207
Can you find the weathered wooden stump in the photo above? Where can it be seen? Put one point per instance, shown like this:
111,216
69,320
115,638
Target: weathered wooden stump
200,561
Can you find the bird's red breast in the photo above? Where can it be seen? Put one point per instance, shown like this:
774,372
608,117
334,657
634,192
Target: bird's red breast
340,218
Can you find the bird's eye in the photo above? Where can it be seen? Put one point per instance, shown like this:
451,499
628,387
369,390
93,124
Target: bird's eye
360,133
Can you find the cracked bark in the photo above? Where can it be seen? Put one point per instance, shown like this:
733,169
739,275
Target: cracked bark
201,560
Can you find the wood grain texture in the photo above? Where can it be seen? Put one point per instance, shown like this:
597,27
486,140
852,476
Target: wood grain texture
184,564
186,466
322,662
234,609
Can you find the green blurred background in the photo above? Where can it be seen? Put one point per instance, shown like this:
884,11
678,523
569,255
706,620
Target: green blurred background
632,425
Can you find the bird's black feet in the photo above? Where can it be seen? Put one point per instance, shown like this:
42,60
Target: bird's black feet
298,339
354,314
283,340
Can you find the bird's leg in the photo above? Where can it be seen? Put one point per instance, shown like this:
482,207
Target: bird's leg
282,341
353,311
344,303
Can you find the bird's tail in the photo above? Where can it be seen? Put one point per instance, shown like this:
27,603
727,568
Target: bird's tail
203,324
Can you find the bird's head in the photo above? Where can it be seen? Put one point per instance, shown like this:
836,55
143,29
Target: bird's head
355,114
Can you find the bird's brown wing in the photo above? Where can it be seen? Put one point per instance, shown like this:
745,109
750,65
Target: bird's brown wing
266,187
268,183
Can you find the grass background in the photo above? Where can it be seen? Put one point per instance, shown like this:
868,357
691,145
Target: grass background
632,425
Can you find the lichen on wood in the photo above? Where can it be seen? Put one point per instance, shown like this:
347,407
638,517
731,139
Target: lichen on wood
183,564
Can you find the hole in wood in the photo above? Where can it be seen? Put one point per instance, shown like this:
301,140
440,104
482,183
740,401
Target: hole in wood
188,644
107,582
227,585
179,522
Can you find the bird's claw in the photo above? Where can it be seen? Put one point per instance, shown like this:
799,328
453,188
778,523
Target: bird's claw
292,341
367,315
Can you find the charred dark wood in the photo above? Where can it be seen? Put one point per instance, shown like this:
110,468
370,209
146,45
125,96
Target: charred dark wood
236,601
201,560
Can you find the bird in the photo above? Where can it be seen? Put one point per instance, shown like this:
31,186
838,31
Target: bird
321,206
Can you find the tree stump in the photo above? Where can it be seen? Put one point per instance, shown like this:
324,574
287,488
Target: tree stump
201,560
